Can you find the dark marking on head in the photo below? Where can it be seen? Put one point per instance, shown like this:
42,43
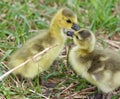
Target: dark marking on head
68,13
84,34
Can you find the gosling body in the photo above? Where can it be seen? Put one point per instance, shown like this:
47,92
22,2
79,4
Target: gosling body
44,40
100,67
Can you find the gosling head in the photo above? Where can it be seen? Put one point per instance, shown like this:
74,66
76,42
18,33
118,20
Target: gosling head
84,39
66,19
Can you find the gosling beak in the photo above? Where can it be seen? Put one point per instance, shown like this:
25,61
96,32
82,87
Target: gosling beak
75,27
70,33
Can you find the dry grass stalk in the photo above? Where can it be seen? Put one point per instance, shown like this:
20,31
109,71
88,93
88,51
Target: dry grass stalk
28,60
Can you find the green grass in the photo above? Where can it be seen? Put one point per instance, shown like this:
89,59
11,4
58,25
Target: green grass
21,19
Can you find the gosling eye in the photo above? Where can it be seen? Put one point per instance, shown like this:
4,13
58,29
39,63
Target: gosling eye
76,37
68,21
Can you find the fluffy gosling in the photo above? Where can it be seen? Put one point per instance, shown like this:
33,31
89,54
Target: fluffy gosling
63,19
100,67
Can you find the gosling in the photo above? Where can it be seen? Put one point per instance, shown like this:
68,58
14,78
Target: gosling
63,19
100,67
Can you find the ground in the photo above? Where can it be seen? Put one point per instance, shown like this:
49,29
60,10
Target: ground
19,20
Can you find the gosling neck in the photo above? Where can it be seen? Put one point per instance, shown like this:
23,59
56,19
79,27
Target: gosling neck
55,30
85,51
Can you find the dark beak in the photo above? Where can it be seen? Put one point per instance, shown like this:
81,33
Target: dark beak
70,33
75,27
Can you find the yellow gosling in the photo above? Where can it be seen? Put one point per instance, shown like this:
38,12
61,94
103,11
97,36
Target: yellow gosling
63,19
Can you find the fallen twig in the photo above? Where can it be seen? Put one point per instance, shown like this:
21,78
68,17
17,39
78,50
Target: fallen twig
39,94
88,89
28,60
70,86
82,92
113,43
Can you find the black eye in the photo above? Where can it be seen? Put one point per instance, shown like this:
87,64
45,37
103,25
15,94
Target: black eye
68,21
76,37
